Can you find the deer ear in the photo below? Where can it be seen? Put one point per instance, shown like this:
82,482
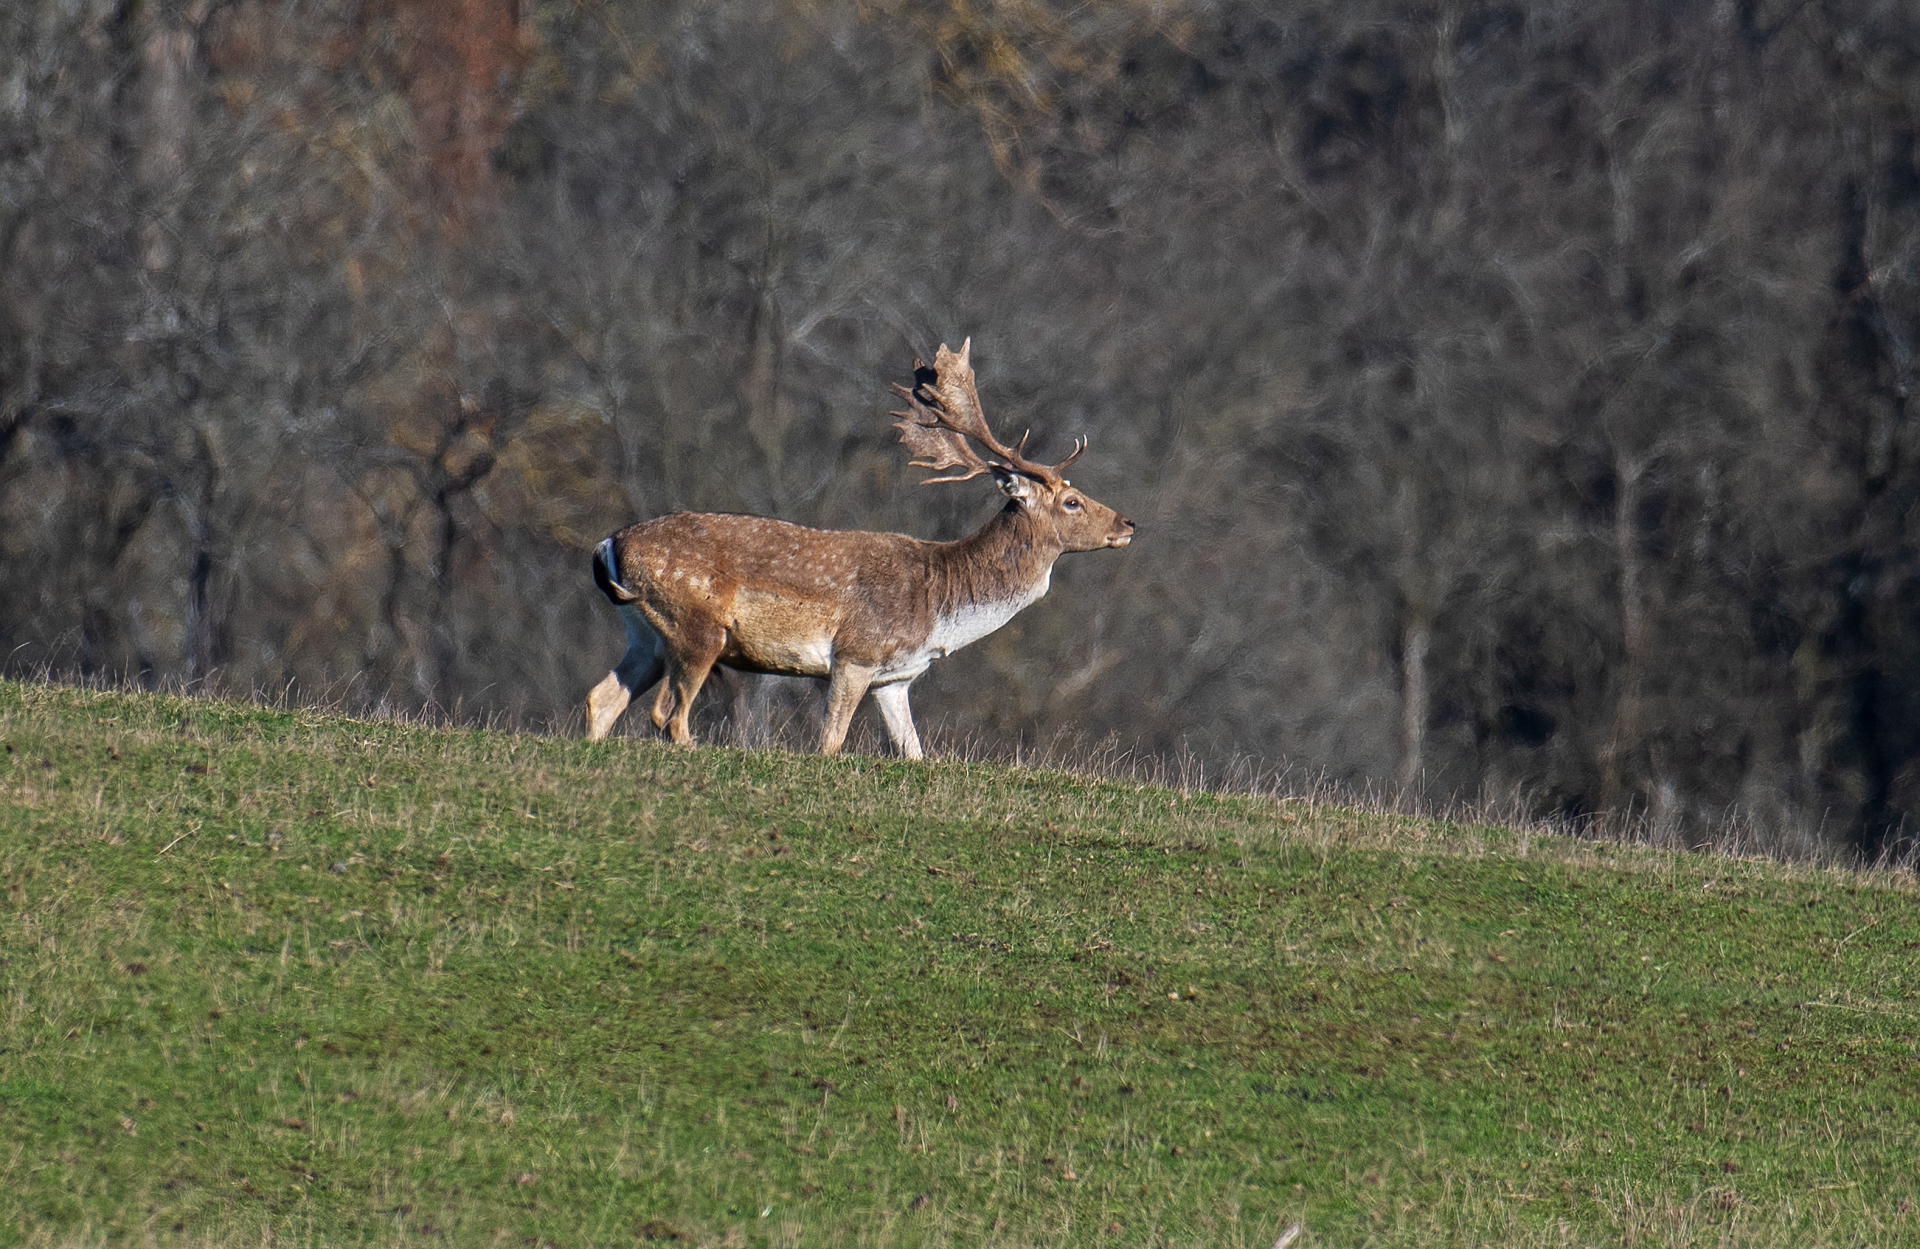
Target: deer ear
1014,485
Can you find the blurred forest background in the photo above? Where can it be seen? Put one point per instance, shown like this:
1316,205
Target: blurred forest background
1513,397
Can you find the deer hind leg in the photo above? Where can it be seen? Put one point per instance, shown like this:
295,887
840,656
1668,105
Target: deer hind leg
892,701
688,664
845,688
640,667
605,702
662,705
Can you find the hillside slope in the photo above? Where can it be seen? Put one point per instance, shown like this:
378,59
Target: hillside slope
352,982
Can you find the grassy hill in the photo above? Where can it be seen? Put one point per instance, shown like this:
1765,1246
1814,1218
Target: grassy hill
283,975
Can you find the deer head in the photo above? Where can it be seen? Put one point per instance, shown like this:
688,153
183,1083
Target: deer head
944,418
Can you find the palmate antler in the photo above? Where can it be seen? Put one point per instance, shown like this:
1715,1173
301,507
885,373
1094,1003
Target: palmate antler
944,412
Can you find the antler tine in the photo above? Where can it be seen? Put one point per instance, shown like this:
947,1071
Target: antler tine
959,400
945,413
959,403
931,443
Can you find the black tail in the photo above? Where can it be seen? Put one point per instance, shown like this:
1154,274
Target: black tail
607,576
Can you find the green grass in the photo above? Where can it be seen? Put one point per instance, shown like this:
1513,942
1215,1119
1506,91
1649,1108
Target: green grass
282,975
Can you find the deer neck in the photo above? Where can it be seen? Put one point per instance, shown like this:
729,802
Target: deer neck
981,581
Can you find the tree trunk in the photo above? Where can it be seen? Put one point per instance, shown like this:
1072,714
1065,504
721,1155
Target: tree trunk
1415,638
206,626
1616,782
768,414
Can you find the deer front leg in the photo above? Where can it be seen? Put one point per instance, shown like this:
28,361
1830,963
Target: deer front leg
844,689
892,701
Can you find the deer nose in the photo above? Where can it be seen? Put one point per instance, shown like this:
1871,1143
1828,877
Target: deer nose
1129,524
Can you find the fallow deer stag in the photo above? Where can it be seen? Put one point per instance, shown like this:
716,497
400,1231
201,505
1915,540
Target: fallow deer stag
867,611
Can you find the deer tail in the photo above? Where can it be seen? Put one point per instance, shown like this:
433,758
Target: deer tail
606,575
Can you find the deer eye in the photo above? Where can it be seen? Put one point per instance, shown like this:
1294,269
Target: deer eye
1071,504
